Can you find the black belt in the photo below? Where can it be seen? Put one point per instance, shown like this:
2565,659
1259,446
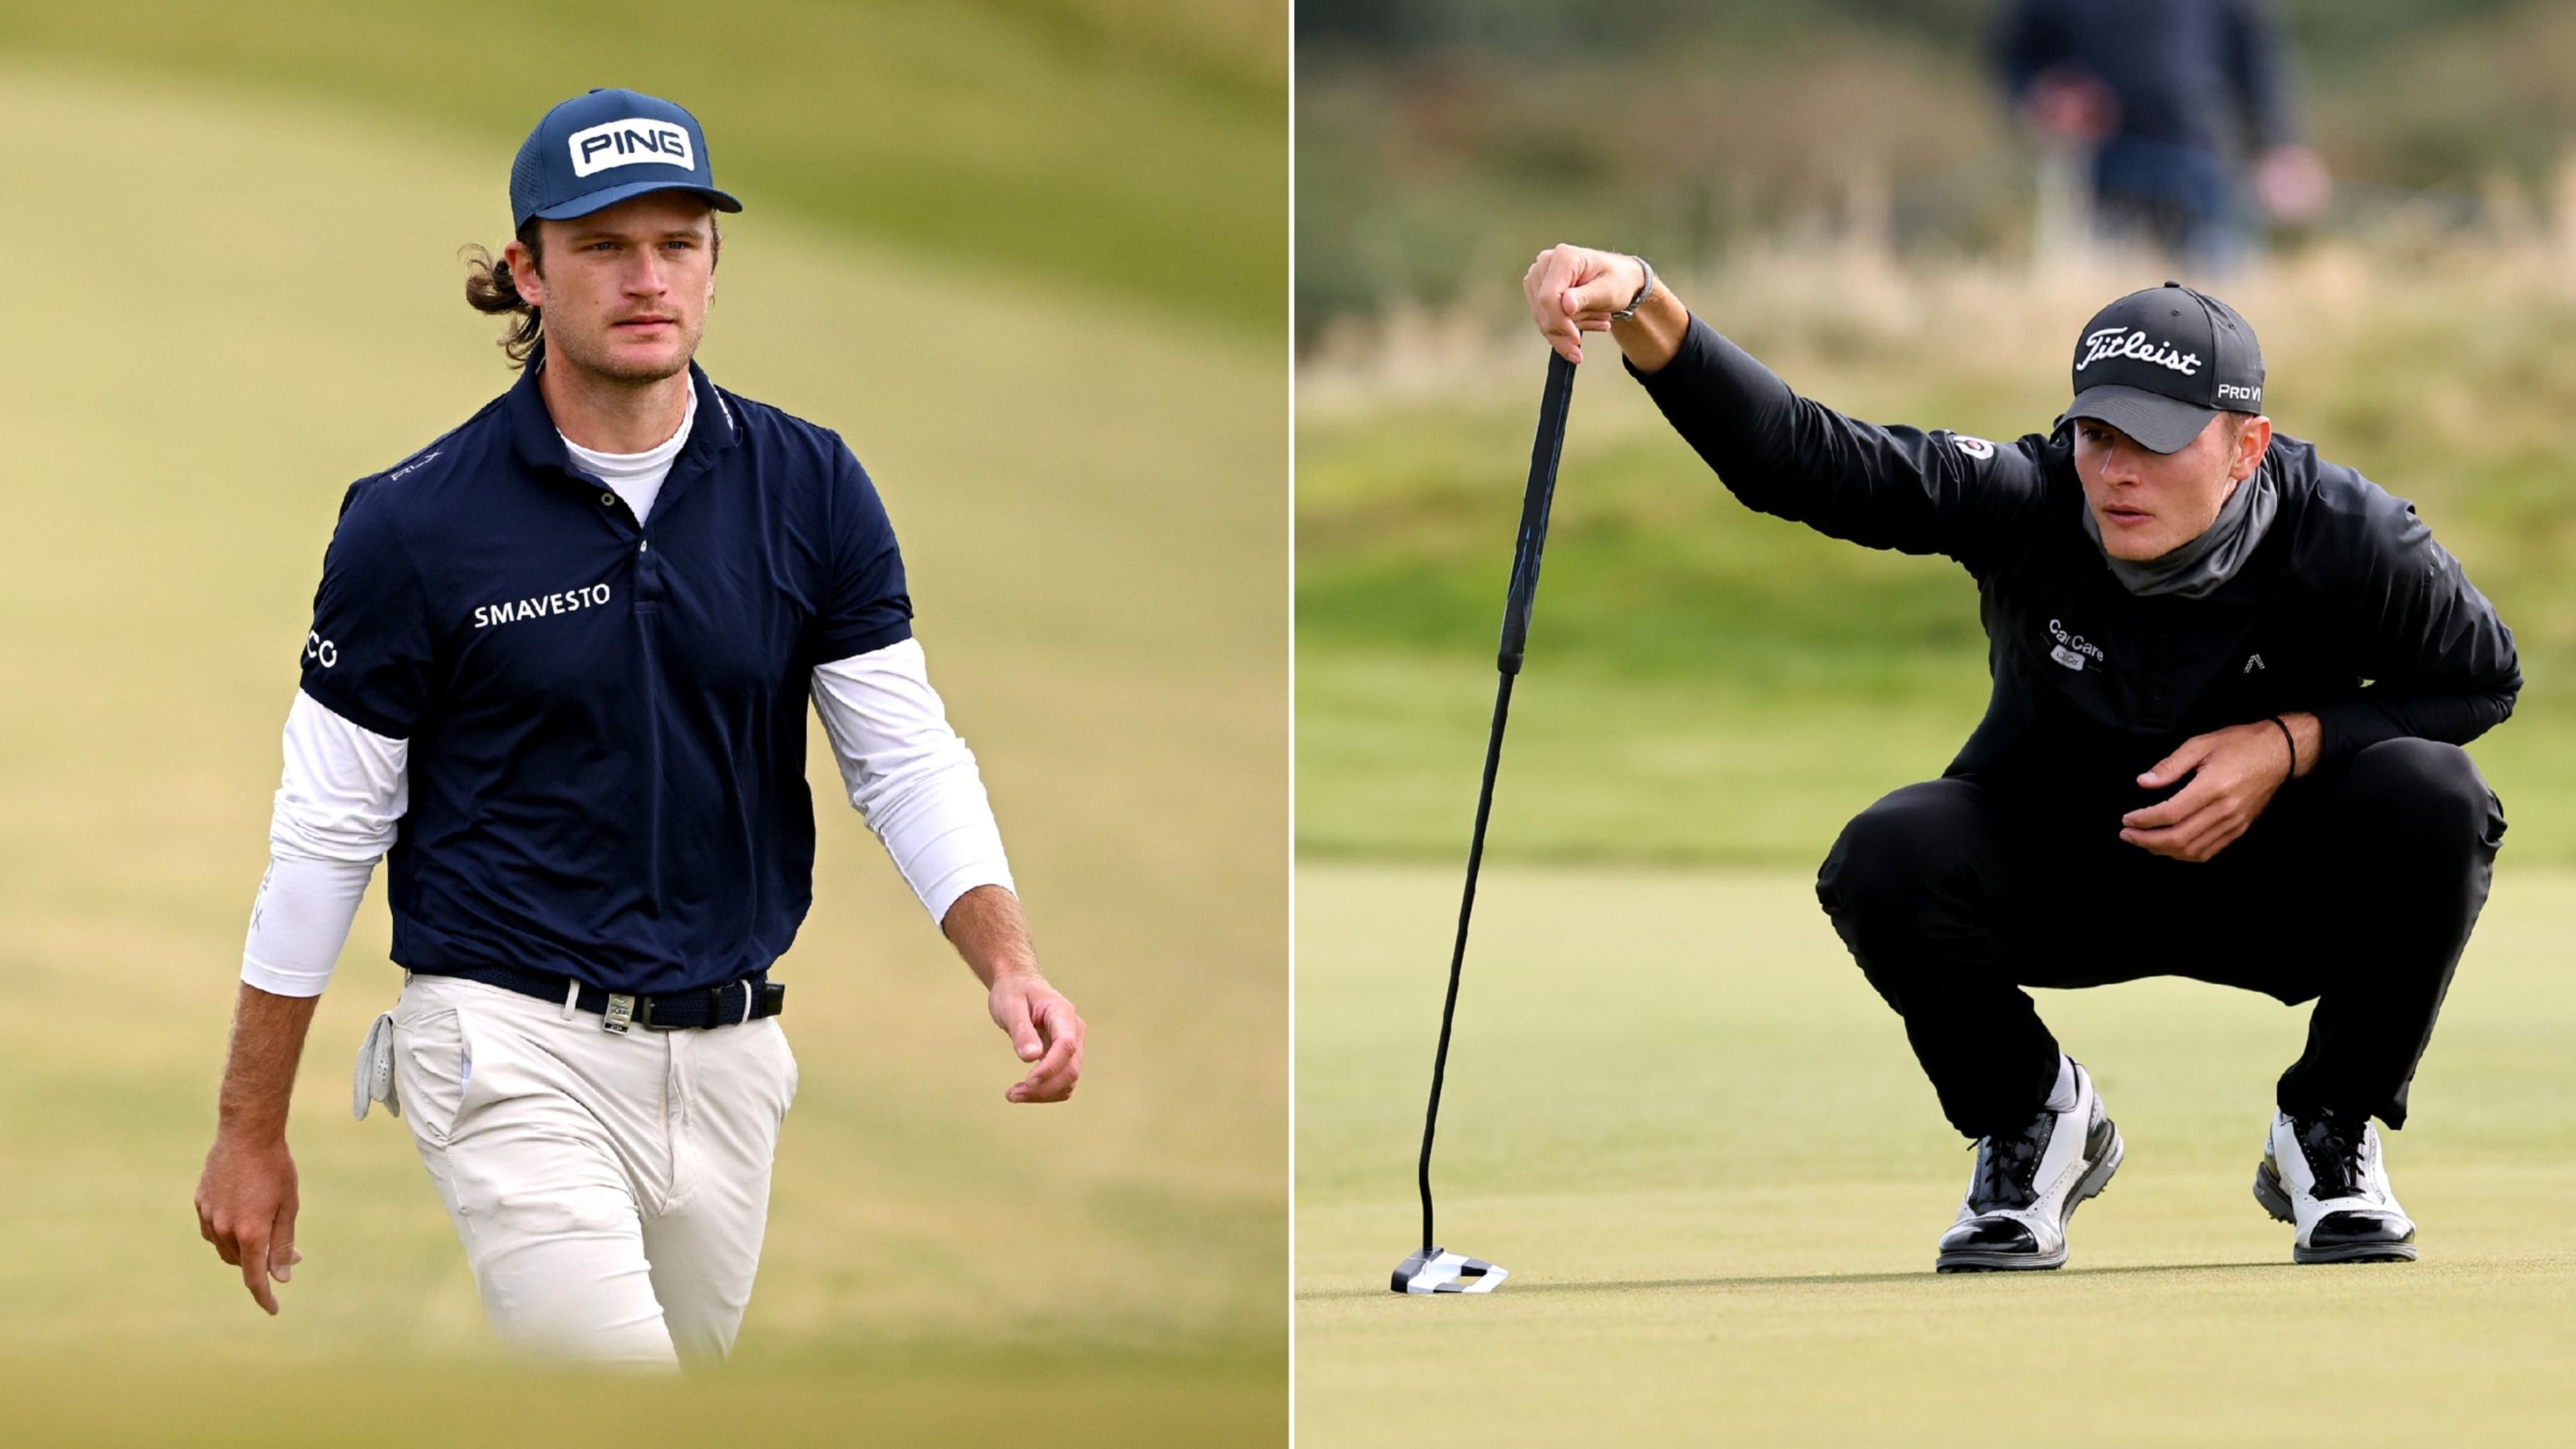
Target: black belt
730,1004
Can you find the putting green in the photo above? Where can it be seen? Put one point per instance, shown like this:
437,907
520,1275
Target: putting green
1680,1117
247,302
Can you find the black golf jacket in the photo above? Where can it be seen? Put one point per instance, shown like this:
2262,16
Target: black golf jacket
2347,608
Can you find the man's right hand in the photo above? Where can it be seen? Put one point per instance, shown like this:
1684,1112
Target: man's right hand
246,1198
246,1207
1573,290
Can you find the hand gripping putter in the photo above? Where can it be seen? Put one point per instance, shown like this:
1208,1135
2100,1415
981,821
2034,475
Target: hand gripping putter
1433,1269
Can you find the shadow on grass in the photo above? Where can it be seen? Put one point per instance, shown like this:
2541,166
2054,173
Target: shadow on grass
1802,1280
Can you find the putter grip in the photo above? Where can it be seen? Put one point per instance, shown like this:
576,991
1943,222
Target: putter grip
1544,452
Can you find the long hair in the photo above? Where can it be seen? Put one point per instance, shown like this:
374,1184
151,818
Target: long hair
490,289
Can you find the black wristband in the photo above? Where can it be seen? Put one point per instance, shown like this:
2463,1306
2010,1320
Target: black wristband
2292,741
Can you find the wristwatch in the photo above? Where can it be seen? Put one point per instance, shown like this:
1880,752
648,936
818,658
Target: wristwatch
1643,292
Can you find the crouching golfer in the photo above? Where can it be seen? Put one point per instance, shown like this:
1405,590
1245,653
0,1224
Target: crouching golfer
2231,683
559,666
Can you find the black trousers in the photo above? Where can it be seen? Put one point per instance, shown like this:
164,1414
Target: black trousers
2357,887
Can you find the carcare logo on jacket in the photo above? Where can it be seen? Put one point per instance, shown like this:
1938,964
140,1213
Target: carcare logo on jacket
541,606
623,143
2071,649
2128,342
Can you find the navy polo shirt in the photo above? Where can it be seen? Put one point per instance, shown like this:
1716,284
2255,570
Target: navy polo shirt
606,719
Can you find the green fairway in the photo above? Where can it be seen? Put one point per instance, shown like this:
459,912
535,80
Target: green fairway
1681,1118
253,299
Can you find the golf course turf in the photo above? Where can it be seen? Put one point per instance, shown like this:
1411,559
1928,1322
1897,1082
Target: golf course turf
1680,1117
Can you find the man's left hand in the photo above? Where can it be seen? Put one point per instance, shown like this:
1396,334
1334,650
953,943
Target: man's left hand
2234,774
1045,1030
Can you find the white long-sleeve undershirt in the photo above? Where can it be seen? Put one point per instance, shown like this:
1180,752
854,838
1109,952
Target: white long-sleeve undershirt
346,788
637,477
909,775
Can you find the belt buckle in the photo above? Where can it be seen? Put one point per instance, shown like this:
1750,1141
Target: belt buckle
621,1010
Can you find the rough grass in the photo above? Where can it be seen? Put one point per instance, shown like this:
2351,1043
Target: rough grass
1680,1117
1092,1399
255,301
1702,678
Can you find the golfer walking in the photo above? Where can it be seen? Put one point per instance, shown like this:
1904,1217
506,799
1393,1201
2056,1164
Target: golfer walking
2231,682
558,670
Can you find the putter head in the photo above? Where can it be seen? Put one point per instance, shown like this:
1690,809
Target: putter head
1436,1270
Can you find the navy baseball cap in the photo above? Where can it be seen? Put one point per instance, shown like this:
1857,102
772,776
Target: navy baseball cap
596,150
2159,364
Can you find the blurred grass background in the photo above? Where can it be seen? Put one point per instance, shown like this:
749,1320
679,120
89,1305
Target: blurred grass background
1440,142
1130,146
241,291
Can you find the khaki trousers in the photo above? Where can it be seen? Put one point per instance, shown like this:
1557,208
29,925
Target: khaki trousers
610,1190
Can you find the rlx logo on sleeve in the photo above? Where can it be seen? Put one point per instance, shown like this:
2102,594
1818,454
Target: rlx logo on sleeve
623,143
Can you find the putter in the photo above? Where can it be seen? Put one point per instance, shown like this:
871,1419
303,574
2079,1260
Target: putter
1431,1268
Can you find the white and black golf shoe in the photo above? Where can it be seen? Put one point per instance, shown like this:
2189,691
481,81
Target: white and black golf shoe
2323,1174
2028,1183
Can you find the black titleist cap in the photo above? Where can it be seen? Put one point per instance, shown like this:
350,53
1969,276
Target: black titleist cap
2159,364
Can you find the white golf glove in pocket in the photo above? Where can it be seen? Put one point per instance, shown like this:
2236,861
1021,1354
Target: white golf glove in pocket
374,1081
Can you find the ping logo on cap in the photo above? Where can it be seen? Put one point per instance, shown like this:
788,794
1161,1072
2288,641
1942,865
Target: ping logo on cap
623,143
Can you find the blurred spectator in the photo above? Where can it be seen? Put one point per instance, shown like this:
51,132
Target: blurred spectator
2161,96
